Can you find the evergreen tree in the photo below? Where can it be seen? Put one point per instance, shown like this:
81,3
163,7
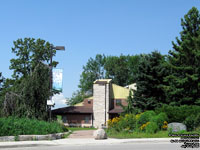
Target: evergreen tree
184,61
149,80
130,108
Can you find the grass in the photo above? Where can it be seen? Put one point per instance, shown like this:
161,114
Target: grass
125,135
79,128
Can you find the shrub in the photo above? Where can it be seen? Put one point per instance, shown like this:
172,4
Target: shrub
178,113
23,126
159,120
147,122
151,128
192,122
145,117
122,123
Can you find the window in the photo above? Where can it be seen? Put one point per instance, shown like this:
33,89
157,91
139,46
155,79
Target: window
118,102
64,119
89,101
87,119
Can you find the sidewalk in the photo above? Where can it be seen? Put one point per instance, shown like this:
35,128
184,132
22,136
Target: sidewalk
81,141
82,134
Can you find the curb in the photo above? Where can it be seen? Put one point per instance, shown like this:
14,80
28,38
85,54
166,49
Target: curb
81,142
33,137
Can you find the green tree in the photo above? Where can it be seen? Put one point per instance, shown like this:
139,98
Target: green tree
130,108
27,93
76,98
133,62
29,52
149,80
122,69
117,69
183,83
94,69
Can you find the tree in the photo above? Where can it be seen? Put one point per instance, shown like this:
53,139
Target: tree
29,53
27,93
36,92
149,80
122,69
183,83
117,69
76,98
133,62
130,108
94,69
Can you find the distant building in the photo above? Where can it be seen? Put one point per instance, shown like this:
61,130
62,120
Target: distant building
96,110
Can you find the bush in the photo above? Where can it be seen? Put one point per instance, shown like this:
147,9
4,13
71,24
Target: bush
151,128
145,117
178,113
123,123
147,122
159,120
192,122
23,126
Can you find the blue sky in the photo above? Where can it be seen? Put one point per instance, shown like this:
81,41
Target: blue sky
90,27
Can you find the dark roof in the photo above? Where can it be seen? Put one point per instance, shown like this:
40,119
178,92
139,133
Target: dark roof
116,110
101,82
73,109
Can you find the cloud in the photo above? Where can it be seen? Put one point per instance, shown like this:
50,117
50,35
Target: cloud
60,100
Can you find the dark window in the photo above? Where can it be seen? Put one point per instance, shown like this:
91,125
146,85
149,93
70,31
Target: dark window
89,101
64,119
86,119
118,102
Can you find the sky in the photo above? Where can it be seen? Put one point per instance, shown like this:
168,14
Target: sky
90,27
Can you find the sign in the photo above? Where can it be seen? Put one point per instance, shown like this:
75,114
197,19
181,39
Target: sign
57,79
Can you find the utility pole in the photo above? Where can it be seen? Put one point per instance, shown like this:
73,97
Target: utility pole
51,76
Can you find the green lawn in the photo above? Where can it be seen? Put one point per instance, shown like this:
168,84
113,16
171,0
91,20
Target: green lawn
125,135
79,128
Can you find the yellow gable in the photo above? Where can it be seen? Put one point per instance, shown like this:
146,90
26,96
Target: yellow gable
118,92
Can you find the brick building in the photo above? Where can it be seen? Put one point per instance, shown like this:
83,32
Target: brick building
96,110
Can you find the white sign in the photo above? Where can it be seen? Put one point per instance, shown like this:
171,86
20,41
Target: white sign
57,79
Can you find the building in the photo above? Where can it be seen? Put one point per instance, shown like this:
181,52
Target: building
96,110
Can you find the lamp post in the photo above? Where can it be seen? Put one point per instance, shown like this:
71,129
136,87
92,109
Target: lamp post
51,75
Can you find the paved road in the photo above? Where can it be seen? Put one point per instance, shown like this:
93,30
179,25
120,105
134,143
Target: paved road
82,134
124,146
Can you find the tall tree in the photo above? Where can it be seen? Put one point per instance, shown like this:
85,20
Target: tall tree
94,69
133,62
27,94
29,52
149,79
36,92
117,69
184,61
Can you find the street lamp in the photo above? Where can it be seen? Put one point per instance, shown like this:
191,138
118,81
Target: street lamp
51,75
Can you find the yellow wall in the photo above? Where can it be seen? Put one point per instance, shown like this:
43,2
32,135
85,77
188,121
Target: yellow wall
119,92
